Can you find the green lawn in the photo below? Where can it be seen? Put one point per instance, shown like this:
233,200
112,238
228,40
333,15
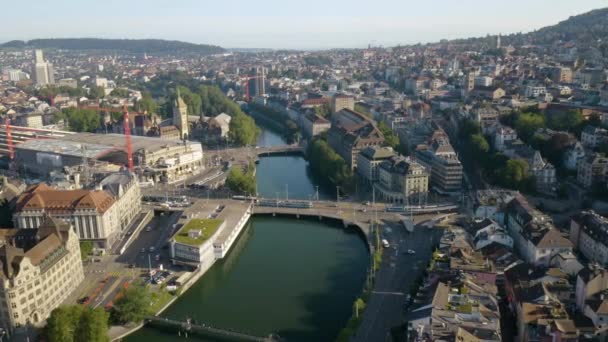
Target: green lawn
159,299
208,227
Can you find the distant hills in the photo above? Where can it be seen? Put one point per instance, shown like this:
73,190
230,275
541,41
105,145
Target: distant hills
590,27
127,45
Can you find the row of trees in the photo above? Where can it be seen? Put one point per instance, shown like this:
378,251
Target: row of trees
80,323
211,101
79,120
281,119
242,182
77,323
528,120
327,164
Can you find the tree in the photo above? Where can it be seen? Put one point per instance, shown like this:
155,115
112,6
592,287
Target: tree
242,182
93,326
132,306
62,323
76,323
325,162
86,248
147,104
192,100
479,146
323,110
565,121
514,174
120,92
243,130
80,120
96,92
528,123
390,138
467,128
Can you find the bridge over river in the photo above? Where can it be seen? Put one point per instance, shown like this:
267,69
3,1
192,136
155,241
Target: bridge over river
189,328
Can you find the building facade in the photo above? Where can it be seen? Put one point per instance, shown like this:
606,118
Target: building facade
402,180
40,269
43,70
94,214
340,102
369,159
589,234
351,132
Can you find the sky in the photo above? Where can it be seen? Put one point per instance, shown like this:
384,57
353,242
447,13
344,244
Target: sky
290,24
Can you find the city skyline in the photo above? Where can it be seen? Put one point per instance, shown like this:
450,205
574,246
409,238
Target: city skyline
272,24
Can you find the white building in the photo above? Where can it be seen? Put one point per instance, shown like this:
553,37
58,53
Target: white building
502,136
483,81
43,70
534,236
489,232
534,91
589,234
193,243
369,159
573,156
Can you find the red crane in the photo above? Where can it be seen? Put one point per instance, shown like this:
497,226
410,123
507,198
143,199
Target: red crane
246,82
128,137
9,138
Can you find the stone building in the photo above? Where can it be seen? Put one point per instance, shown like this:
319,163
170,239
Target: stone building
351,132
39,269
95,215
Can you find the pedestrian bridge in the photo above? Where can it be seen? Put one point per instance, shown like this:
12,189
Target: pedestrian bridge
188,328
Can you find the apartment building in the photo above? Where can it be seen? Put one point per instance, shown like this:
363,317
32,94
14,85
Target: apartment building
535,237
341,101
446,169
313,124
589,234
592,169
401,179
40,269
369,159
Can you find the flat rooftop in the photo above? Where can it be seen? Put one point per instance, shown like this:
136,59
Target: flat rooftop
231,214
118,141
207,227
92,145
68,148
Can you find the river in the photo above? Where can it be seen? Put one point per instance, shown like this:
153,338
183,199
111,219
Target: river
297,278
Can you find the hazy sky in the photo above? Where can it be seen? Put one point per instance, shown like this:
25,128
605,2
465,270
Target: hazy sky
283,23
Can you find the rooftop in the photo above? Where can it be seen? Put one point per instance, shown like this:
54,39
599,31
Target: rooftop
208,227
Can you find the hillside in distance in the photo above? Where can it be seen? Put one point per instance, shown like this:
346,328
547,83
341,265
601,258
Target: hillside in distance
127,45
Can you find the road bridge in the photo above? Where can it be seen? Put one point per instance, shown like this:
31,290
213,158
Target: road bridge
279,150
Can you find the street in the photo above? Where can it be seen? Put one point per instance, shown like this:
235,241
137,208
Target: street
398,272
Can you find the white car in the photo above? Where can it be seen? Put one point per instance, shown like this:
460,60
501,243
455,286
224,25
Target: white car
411,252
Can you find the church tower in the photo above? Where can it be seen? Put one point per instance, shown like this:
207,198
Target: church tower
180,116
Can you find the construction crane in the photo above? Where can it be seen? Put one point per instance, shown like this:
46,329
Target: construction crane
245,81
128,137
9,138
